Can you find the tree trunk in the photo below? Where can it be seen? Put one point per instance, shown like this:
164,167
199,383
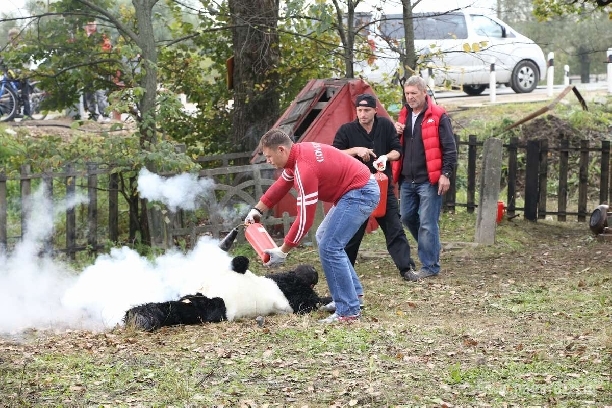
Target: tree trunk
146,42
151,220
256,80
585,64
409,59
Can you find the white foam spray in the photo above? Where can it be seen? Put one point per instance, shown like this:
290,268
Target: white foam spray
39,292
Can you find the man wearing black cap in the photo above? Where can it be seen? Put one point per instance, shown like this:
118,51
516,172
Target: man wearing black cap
374,141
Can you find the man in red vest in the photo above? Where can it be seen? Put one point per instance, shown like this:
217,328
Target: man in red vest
423,172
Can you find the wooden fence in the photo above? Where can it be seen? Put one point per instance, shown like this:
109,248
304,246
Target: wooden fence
534,169
105,218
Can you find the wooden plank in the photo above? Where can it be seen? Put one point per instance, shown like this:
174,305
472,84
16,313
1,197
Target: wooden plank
471,173
543,179
113,207
92,207
563,171
532,180
48,192
512,173
3,212
604,180
26,192
70,184
583,180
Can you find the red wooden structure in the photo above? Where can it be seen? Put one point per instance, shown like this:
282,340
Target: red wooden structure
315,115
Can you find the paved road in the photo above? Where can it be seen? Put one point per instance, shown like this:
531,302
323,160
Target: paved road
507,95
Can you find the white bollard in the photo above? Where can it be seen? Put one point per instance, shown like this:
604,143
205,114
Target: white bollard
492,82
609,61
425,74
566,75
550,73
431,82
82,113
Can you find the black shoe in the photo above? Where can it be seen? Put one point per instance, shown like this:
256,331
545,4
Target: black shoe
410,276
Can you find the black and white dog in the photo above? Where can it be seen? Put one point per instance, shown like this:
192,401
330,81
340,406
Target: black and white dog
233,294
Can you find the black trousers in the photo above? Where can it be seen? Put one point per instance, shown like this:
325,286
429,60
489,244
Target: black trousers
391,225
25,96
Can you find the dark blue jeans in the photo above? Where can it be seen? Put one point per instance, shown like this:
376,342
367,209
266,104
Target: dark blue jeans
420,206
339,225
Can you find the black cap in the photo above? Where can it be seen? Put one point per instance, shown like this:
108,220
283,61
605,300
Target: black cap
366,100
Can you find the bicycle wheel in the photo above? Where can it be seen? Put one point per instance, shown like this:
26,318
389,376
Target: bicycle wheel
8,103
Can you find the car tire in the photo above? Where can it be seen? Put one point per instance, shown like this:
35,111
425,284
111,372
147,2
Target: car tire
473,90
525,77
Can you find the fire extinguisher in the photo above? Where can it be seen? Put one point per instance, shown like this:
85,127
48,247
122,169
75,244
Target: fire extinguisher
501,211
383,184
256,235
260,240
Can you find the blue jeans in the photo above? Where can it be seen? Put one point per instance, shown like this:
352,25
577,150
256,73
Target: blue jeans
337,228
420,208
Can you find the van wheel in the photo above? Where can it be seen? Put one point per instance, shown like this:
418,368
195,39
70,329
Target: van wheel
525,77
473,90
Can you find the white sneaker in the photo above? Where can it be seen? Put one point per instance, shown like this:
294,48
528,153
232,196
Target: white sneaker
334,318
331,306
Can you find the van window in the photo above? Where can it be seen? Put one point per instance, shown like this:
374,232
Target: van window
486,27
426,27
440,27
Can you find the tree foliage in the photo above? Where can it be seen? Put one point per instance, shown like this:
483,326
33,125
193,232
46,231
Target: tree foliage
545,9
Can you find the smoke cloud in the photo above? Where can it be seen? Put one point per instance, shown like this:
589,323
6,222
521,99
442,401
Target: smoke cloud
37,291
182,191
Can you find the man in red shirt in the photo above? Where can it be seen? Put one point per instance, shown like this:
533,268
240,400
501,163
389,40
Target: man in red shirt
321,172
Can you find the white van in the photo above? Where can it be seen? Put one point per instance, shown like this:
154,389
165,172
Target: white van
458,47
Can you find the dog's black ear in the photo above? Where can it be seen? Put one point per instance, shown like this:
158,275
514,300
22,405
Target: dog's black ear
240,264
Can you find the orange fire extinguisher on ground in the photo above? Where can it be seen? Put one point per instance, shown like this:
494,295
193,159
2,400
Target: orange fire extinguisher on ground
383,184
260,240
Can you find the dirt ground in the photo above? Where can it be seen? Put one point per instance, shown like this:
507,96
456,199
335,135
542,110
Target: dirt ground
525,322
67,128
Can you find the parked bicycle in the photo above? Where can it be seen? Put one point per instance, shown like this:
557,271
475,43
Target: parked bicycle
11,102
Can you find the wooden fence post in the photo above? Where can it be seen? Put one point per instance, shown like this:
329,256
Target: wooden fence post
490,178
532,180
563,170
3,212
92,207
113,207
450,197
512,170
47,180
471,172
605,172
543,179
70,213
583,178
26,191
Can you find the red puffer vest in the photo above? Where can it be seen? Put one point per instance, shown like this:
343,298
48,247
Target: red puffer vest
431,142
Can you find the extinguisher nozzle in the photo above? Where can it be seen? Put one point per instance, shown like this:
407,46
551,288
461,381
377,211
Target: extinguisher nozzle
226,243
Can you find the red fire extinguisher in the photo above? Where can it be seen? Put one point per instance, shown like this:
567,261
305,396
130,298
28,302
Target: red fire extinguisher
383,184
260,240
501,210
